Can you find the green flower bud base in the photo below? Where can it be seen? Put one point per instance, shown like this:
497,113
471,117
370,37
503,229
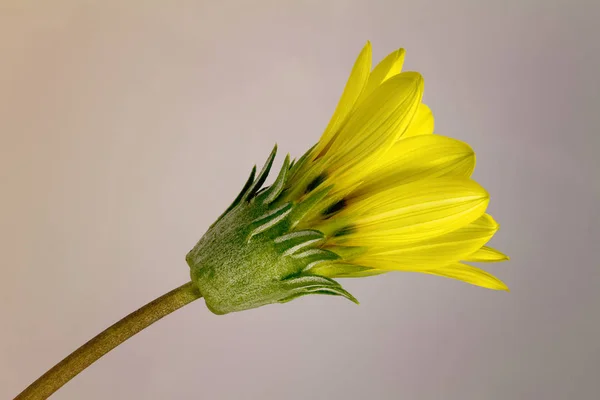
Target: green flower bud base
252,256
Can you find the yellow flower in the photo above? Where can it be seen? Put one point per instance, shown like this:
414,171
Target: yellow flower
379,192
405,198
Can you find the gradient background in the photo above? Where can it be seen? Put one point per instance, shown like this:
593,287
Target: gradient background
125,130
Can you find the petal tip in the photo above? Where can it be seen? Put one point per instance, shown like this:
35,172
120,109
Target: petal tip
499,285
472,188
400,54
483,193
413,75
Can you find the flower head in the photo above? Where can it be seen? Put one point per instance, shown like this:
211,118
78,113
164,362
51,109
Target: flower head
379,192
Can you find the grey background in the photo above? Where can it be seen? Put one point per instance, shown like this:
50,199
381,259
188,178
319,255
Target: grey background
127,127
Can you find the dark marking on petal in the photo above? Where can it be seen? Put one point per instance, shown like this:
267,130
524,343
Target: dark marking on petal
344,231
316,182
334,208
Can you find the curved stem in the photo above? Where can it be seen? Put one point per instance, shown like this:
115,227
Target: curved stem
107,340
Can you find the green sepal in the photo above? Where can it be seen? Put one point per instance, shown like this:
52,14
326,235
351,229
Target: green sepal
303,285
313,257
344,270
252,256
262,176
297,166
294,242
268,220
239,197
303,208
273,192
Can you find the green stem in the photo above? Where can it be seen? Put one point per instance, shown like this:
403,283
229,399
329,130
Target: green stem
107,340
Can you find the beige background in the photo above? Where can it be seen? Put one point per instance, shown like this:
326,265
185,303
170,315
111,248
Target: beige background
126,127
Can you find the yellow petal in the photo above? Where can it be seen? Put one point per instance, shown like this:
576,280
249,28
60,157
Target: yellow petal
413,212
421,124
420,157
388,67
487,254
373,128
354,87
436,252
469,274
